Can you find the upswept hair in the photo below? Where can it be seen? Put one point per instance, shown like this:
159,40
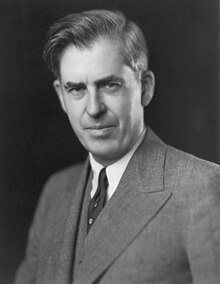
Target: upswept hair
83,29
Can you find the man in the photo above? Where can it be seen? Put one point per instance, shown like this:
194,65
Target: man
137,211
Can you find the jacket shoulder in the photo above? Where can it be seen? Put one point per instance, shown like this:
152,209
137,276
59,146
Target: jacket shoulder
65,176
59,185
181,160
186,170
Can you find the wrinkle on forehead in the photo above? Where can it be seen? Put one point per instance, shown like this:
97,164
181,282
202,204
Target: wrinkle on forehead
102,59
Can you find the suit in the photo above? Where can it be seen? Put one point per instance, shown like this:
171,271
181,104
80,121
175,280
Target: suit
162,225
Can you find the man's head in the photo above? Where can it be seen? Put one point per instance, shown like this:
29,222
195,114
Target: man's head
102,80
83,29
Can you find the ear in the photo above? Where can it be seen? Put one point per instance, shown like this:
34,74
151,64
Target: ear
148,83
58,89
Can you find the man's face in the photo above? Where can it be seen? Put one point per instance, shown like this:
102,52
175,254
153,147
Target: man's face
102,99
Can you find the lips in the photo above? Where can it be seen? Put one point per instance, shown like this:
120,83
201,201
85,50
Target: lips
101,130
100,126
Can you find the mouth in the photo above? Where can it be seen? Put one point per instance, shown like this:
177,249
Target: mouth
99,127
101,130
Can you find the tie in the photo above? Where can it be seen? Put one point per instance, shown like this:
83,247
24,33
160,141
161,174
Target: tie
99,199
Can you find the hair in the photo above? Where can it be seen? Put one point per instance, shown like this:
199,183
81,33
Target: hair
83,29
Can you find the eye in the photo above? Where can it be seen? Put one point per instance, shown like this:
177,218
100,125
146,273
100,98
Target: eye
77,91
111,86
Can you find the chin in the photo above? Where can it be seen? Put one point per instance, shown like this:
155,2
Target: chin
102,152
106,158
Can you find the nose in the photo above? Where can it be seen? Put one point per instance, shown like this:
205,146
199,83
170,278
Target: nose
95,105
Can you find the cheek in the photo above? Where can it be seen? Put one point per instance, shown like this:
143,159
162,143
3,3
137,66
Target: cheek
120,105
74,113
127,108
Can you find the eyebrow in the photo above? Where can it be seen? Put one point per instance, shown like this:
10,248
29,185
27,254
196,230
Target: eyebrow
98,82
109,78
69,85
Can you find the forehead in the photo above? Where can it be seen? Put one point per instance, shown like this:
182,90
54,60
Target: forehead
104,56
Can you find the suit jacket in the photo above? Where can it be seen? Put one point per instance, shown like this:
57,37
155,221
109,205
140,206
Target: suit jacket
162,225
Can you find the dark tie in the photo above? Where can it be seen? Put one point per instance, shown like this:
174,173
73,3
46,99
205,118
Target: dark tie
99,199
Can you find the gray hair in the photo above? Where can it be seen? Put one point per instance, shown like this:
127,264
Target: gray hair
83,29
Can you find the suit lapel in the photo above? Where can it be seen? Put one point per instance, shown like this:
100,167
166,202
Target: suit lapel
139,197
82,228
66,240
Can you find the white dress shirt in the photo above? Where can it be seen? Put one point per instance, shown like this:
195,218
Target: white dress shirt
114,171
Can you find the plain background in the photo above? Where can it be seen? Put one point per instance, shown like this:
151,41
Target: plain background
35,136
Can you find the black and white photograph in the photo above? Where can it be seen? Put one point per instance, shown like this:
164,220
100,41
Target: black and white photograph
109,142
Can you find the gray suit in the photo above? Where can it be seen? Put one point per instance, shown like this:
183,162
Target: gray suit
162,225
